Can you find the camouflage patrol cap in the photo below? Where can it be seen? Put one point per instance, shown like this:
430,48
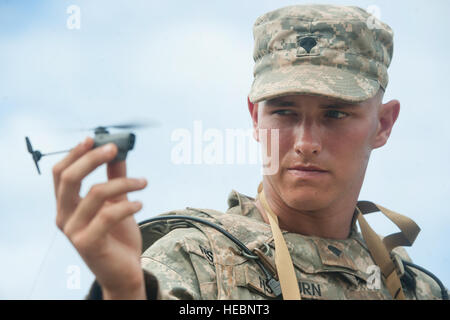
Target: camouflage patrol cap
338,52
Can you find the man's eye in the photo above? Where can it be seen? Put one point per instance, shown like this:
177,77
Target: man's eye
283,112
335,114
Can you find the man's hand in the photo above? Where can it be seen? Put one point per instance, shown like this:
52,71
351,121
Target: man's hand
101,225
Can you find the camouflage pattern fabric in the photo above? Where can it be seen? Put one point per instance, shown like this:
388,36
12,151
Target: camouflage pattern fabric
194,261
334,51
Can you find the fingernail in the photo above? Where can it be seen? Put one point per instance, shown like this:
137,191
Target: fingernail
137,204
142,181
85,142
107,148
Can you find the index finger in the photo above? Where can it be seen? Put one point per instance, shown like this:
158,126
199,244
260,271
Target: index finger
73,155
73,175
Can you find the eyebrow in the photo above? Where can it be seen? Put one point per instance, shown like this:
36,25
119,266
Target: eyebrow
288,103
279,103
338,106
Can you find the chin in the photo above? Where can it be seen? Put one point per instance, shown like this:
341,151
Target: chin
306,200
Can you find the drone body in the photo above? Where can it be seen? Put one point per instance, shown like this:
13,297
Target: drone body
124,142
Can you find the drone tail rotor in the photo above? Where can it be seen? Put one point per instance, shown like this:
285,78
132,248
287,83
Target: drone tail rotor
29,147
36,154
37,166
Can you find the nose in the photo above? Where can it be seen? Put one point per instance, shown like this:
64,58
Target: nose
308,142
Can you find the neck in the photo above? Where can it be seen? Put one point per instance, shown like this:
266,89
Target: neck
332,222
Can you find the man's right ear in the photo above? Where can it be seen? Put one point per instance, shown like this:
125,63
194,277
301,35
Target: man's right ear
253,109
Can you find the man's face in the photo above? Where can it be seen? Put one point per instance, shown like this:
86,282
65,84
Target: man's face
324,147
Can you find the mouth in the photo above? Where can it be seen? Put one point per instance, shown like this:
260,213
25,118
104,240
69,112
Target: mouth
307,172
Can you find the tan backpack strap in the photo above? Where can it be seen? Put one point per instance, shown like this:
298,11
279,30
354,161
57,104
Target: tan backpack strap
380,250
283,261
408,228
382,258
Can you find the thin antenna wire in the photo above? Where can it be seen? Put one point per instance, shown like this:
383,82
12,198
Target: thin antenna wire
56,152
42,265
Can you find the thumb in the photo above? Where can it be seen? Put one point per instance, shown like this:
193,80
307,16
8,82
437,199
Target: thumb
116,170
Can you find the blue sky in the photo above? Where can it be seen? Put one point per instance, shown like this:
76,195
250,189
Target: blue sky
178,62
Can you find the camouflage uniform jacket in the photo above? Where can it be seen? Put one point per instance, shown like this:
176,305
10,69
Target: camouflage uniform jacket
193,261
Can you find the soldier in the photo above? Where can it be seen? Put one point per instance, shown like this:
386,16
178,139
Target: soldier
320,76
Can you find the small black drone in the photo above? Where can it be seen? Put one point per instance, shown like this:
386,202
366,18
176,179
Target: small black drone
124,141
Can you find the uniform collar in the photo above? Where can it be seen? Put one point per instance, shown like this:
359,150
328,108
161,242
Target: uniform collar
244,205
241,204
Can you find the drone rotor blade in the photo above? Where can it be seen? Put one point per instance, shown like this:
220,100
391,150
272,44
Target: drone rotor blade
29,147
128,126
124,126
37,166
37,155
135,125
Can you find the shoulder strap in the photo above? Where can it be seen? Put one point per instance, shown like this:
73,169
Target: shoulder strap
380,250
408,228
283,261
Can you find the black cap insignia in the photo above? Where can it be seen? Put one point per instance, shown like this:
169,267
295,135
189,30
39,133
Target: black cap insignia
307,43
